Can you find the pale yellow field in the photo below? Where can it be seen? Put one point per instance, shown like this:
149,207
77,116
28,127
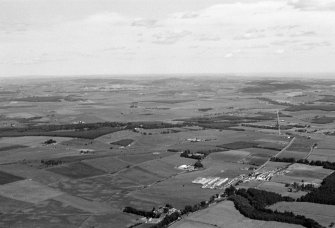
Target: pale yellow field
323,214
225,215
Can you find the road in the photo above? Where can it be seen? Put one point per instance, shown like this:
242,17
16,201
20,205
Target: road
310,152
287,146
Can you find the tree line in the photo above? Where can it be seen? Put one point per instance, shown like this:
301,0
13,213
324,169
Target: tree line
324,164
252,203
325,194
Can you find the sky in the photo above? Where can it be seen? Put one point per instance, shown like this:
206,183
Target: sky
86,37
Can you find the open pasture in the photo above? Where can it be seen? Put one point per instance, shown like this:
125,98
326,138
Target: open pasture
6,178
255,160
160,168
225,215
140,175
107,164
323,214
280,188
326,142
111,220
31,141
27,220
135,157
9,205
51,207
76,170
107,188
28,172
77,143
293,154
301,144
11,147
307,171
38,153
28,191
119,135
164,192
222,169
175,160
323,155
260,152
123,142
324,152
229,156
84,205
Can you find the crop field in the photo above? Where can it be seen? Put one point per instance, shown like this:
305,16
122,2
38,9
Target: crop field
306,171
280,188
36,220
107,164
27,172
28,191
160,168
6,178
260,152
11,147
76,170
293,154
118,143
135,158
229,156
225,215
107,188
323,214
30,141
163,192
9,205
123,142
140,175
301,144
255,160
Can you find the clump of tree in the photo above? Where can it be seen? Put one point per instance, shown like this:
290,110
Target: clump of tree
50,141
198,165
288,160
51,162
147,214
325,194
168,219
301,187
188,154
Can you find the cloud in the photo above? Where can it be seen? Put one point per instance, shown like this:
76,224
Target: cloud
185,15
279,51
250,35
285,42
169,37
313,4
266,33
228,55
140,22
209,37
107,18
303,33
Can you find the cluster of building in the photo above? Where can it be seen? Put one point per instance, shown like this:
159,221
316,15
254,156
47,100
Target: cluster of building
210,182
265,175
186,167
160,214
223,183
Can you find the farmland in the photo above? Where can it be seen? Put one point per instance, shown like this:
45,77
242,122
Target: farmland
75,153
